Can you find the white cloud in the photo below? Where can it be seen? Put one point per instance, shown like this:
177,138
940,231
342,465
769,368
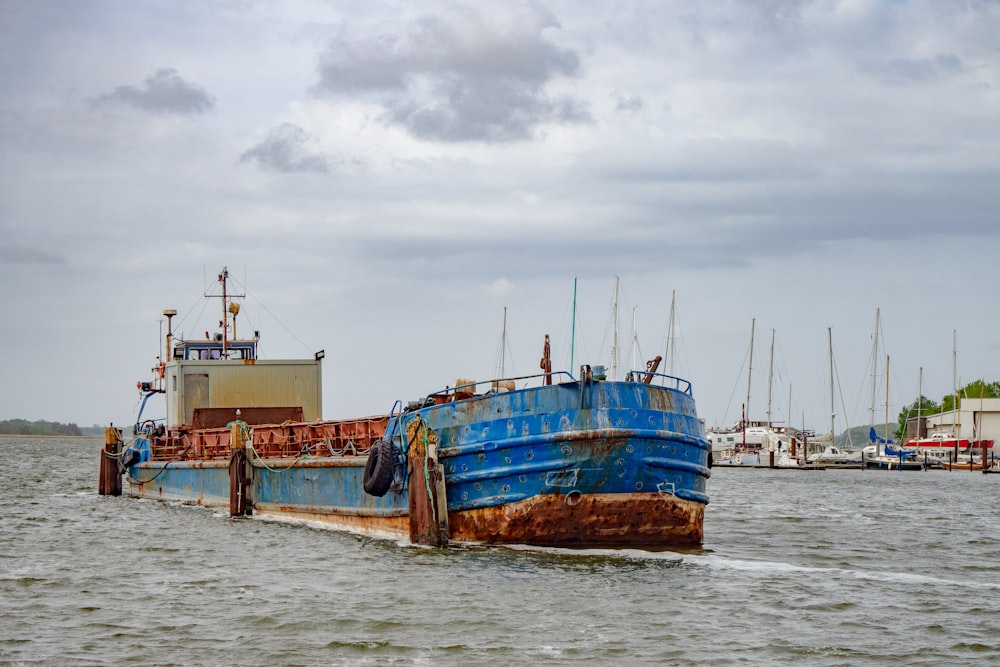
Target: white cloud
500,288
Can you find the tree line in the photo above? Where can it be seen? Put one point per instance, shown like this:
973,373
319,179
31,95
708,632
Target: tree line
40,427
925,407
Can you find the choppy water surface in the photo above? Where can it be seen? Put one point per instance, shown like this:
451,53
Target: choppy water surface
817,568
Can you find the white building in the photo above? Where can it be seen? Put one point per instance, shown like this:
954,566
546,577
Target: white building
976,419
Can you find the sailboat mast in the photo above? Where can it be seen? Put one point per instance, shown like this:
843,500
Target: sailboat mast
920,396
954,363
670,334
956,382
871,420
976,425
746,408
635,363
887,398
770,376
572,342
833,414
503,345
614,334
789,405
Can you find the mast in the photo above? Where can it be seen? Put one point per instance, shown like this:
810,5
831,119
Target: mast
503,345
225,314
887,401
954,363
871,419
229,307
833,415
572,342
614,334
976,427
956,382
746,408
670,334
770,376
789,405
920,392
635,363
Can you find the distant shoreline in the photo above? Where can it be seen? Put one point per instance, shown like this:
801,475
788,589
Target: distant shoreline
47,435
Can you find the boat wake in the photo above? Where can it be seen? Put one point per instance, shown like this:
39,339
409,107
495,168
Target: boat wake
626,554
778,568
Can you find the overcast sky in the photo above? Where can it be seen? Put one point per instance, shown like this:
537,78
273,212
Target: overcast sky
384,179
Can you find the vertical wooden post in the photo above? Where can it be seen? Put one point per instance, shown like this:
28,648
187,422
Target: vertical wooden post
110,479
546,362
428,495
240,472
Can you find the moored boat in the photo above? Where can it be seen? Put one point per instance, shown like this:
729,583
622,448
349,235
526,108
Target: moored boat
831,455
550,460
757,444
943,442
730,457
882,462
963,464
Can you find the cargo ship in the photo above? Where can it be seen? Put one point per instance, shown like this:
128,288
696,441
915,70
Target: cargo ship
550,459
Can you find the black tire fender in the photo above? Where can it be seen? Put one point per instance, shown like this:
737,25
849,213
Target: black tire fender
379,468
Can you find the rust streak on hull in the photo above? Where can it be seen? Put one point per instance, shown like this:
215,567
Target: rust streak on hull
640,520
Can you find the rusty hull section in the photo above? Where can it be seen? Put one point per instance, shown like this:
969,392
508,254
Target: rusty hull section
594,520
608,464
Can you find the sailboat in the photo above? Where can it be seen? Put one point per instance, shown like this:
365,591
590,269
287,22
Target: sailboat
885,456
746,450
831,454
755,443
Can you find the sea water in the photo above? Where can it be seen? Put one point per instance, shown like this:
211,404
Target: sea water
835,567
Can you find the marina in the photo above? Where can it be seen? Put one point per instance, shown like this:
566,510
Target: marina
954,439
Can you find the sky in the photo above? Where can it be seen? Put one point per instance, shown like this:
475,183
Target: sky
415,188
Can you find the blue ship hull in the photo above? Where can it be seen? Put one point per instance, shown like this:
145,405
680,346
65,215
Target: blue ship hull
574,464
